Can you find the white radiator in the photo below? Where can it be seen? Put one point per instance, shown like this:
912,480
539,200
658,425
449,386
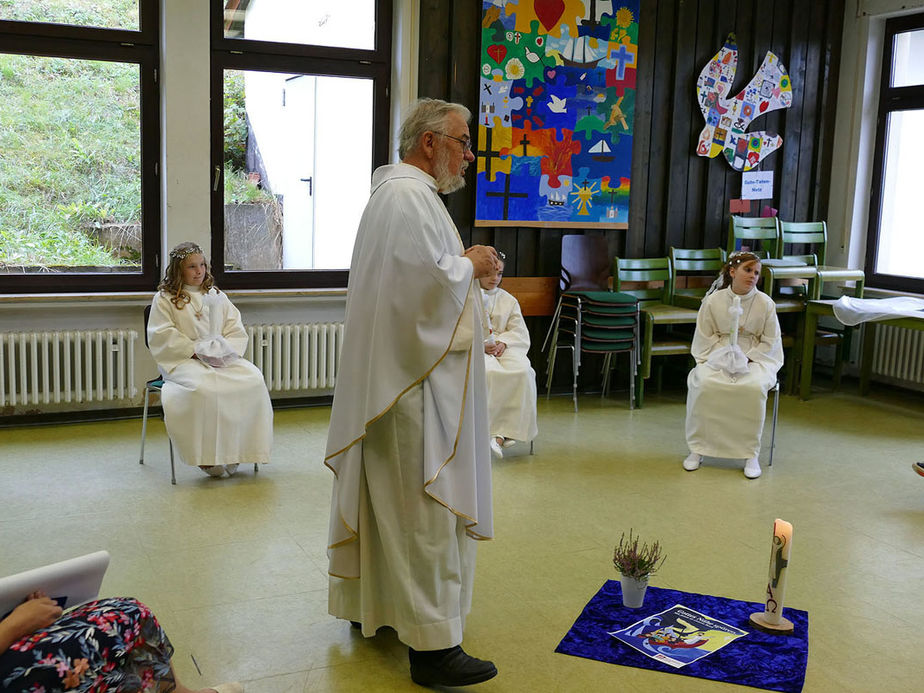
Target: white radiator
73,366
898,355
296,357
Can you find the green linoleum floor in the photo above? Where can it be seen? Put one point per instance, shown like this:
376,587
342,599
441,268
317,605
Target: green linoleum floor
236,571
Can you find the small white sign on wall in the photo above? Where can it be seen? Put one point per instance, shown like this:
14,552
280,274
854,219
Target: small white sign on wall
757,185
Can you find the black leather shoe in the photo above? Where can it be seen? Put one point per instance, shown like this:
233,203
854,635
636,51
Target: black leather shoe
450,667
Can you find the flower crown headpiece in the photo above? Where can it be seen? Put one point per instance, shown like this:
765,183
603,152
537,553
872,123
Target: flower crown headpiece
183,254
737,257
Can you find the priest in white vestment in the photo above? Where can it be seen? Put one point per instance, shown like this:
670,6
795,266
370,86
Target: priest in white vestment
511,378
738,351
408,437
216,407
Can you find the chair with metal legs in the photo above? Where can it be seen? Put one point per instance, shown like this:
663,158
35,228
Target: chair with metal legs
152,386
776,408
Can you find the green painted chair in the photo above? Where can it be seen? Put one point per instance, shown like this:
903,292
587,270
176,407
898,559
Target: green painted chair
656,307
760,234
589,317
595,322
698,268
813,236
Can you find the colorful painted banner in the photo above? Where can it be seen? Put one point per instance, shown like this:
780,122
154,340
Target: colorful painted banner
557,110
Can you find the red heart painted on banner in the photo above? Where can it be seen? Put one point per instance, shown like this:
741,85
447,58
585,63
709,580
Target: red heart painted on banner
497,51
549,12
763,106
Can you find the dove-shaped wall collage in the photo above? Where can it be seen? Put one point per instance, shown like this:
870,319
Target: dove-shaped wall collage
556,116
727,119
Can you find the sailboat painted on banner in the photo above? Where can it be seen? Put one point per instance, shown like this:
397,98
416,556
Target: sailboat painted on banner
595,11
584,52
601,151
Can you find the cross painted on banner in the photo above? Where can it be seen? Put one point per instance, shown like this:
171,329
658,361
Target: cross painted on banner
524,142
488,153
624,58
506,194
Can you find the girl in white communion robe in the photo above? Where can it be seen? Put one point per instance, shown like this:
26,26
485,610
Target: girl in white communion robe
511,380
738,351
216,407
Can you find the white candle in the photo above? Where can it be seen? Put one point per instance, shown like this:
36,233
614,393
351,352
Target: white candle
779,564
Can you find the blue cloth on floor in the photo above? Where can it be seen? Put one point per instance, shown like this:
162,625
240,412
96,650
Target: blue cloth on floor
761,660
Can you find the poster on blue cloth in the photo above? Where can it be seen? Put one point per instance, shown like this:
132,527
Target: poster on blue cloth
678,636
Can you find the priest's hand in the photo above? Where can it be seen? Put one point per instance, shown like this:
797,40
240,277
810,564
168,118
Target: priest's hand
484,259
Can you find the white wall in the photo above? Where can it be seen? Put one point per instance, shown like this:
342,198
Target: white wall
855,129
186,178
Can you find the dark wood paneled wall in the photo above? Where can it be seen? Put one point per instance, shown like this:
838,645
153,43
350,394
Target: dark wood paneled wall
677,198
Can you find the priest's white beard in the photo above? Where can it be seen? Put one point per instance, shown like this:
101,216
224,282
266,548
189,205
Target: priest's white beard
446,181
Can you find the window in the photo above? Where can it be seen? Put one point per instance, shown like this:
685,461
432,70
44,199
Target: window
299,122
895,244
79,144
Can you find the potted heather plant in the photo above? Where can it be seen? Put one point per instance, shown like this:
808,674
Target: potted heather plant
636,562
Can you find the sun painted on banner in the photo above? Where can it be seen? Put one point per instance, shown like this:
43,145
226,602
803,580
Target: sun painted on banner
557,112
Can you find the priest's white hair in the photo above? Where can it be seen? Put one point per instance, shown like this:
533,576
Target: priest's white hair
426,115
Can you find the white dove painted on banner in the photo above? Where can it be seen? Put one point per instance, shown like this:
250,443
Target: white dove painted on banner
727,119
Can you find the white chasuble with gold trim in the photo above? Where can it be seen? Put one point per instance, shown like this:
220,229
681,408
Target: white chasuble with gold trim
413,317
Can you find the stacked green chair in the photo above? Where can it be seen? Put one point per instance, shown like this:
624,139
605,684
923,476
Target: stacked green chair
656,309
596,322
589,318
696,264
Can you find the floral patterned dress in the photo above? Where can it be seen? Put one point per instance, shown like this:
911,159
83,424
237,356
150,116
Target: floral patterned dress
106,645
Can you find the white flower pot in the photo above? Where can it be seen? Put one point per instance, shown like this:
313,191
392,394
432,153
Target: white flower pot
633,591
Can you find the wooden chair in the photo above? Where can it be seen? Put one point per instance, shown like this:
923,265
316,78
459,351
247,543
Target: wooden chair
696,269
813,236
760,234
656,307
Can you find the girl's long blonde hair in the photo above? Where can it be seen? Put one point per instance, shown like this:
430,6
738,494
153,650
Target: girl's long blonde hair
172,283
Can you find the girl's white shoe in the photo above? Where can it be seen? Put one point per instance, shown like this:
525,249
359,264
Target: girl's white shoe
752,468
692,462
496,448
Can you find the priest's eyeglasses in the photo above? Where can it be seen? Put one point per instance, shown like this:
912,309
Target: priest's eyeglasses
464,141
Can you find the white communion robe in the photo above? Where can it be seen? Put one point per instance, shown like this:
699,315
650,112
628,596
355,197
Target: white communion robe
511,378
408,437
725,415
215,414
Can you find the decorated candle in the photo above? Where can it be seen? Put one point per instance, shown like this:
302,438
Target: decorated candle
779,564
